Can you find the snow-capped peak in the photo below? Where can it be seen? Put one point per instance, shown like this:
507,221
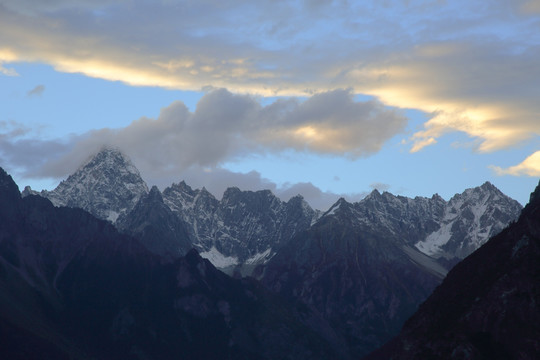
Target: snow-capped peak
107,185
469,220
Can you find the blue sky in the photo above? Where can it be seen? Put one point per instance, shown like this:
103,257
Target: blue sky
322,98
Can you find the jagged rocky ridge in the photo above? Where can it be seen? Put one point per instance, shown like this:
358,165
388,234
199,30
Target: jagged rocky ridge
436,227
468,220
247,228
244,227
488,305
75,288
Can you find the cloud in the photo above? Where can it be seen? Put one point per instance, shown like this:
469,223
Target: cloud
217,180
473,68
482,90
22,151
530,7
223,127
37,91
7,71
379,186
318,199
529,167
227,126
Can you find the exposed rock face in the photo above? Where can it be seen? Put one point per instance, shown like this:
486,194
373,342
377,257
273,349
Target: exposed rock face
487,307
107,186
469,220
75,288
244,227
438,228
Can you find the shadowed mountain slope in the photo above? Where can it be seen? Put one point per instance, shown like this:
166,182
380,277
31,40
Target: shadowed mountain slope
365,281
72,287
488,307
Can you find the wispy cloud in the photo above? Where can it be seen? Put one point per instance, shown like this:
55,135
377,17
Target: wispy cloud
7,71
529,167
379,186
481,90
37,91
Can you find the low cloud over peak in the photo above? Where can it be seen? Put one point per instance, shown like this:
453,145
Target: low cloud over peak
224,126
227,126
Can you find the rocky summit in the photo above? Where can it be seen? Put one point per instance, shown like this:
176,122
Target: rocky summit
468,220
360,263
107,186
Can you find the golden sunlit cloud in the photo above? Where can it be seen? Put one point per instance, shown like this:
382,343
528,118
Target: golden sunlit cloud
530,167
452,83
308,133
8,71
483,89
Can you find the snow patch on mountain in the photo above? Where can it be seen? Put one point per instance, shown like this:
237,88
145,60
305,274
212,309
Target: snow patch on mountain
260,257
433,243
251,226
218,259
246,225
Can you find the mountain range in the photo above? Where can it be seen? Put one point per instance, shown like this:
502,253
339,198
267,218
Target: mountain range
361,269
248,228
